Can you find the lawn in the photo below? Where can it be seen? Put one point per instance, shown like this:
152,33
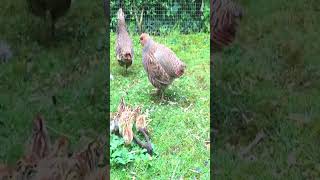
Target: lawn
63,78
179,125
268,82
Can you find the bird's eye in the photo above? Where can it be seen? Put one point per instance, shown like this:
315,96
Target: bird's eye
141,38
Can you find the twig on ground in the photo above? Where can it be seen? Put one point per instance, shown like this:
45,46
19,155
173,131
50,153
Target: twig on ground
256,141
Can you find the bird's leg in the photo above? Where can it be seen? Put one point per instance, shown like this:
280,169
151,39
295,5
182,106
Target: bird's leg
155,92
162,94
146,131
145,134
139,142
148,143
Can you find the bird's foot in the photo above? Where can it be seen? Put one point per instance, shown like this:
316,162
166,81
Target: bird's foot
159,93
155,92
162,96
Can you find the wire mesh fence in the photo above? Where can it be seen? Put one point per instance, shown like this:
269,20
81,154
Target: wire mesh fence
157,17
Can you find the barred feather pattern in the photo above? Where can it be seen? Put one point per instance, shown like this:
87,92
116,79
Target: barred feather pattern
225,17
124,46
124,119
40,140
38,149
56,168
80,166
141,123
91,157
125,126
44,163
43,159
161,64
156,74
25,168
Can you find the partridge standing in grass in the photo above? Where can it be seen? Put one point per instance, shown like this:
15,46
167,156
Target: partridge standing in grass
225,17
124,47
160,63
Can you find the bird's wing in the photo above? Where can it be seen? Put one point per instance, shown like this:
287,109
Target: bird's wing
224,16
167,59
156,73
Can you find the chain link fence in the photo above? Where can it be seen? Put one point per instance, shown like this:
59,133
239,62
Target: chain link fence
158,17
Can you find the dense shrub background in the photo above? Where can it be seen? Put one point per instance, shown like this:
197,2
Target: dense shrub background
163,16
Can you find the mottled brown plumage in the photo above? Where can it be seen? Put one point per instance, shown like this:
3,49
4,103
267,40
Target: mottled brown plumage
141,123
124,47
41,162
41,144
225,16
78,167
123,120
37,149
60,148
160,63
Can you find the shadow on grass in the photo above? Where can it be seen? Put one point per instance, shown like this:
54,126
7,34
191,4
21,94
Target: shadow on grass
171,97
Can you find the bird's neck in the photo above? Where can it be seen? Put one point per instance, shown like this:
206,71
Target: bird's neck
121,25
148,44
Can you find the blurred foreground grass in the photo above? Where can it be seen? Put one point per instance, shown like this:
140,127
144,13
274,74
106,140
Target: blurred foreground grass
268,81
70,68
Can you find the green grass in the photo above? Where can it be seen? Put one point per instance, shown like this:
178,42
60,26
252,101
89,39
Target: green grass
269,81
70,67
180,125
